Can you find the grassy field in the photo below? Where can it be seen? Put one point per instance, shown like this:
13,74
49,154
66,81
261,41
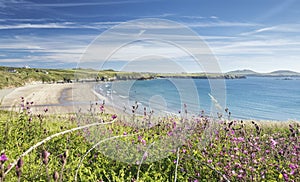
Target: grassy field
14,77
234,150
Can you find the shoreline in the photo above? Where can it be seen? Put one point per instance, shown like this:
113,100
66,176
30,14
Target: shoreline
67,98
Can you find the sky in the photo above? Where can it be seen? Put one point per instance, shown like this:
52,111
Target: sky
262,35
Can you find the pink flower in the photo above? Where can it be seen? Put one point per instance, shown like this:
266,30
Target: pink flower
143,142
286,177
102,108
3,158
273,143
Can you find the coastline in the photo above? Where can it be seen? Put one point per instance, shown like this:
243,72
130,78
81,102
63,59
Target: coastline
57,98
67,98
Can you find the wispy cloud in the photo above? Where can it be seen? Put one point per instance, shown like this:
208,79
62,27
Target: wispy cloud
60,25
106,25
87,3
284,28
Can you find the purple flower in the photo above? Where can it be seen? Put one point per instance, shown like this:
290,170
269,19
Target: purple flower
102,108
293,166
45,154
125,133
114,116
143,142
273,143
3,158
286,177
139,138
145,155
232,132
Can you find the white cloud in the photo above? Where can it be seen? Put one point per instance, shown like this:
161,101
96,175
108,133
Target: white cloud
213,17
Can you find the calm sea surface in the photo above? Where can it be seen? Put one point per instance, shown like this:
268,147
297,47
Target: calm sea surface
252,98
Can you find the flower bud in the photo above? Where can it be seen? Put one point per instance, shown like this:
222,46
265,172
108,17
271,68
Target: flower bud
55,176
20,163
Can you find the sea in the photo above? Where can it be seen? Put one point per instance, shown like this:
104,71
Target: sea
259,98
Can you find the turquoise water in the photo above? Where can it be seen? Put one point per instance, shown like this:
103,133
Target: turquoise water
252,98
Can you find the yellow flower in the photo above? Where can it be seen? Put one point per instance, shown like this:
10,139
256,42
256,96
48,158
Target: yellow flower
280,176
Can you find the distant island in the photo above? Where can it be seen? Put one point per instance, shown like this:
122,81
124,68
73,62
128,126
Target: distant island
279,73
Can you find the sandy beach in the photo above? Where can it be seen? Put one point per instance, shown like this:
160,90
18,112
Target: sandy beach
58,98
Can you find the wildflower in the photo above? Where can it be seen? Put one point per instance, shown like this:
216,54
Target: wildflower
293,166
45,156
125,133
55,176
209,161
102,108
286,177
143,142
273,143
3,158
18,172
20,163
232,132
233,172
114,116
145,155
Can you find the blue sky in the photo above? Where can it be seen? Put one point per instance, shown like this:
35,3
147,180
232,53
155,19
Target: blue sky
262,35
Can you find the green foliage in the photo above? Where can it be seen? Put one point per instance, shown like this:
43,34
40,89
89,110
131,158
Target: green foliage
238,151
